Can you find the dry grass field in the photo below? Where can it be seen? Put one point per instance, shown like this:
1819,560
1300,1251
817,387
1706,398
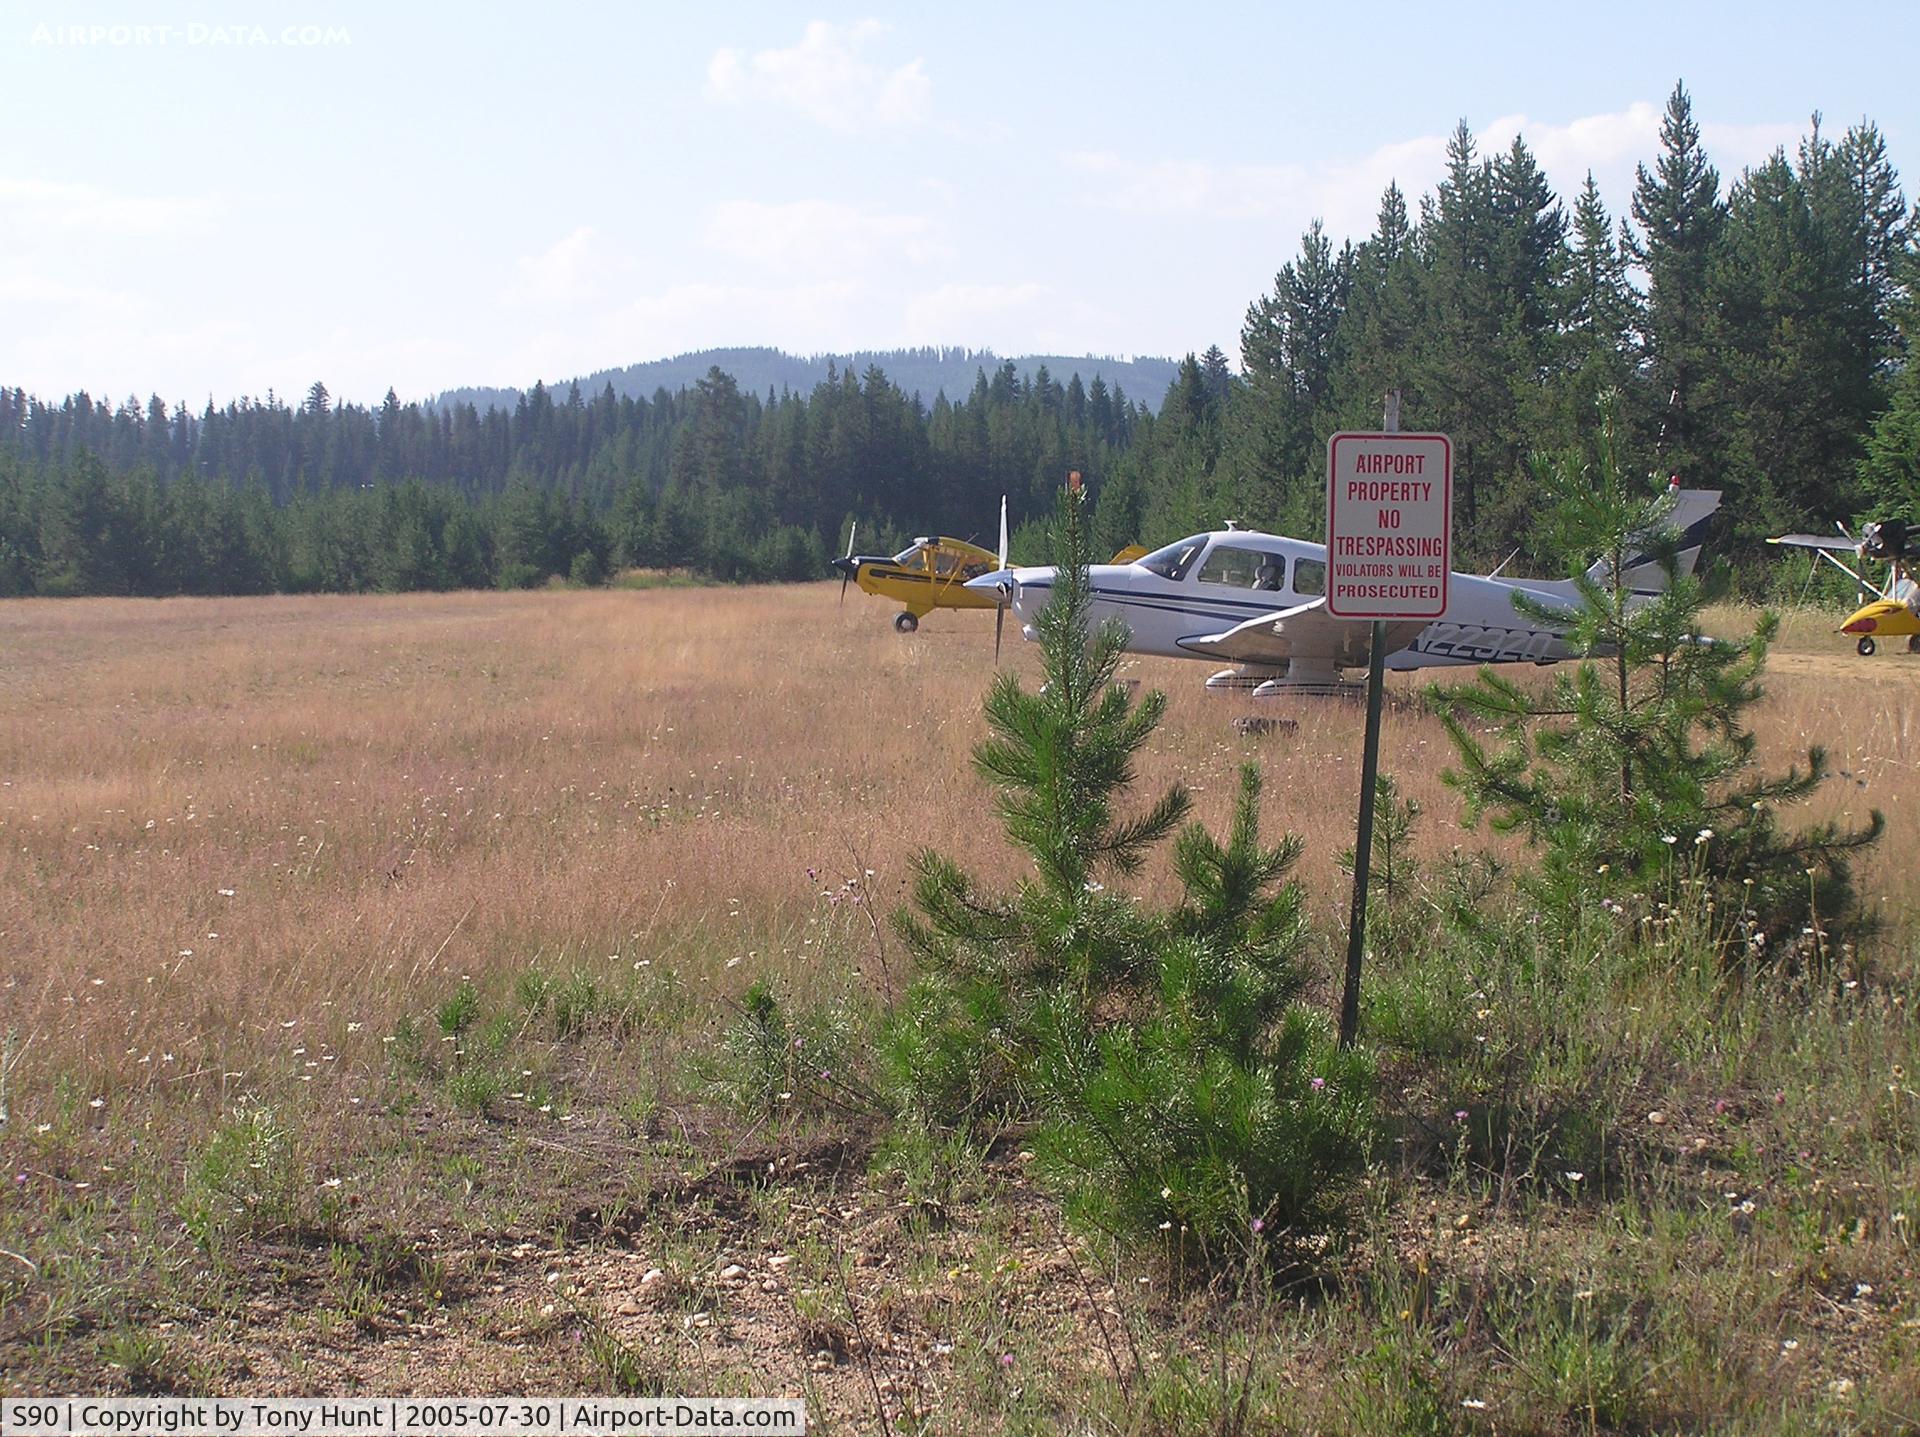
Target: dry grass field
427,912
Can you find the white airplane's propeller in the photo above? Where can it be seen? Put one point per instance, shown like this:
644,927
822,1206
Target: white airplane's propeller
846,564
1000,609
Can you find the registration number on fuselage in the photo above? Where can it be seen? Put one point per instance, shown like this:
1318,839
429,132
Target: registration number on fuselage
1475,644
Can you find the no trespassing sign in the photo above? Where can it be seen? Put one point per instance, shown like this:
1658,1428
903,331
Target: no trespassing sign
1389,525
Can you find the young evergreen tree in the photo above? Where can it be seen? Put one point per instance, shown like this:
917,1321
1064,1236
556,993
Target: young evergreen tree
1633,769
1178,1087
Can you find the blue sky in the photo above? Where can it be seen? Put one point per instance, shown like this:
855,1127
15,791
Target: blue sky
239,197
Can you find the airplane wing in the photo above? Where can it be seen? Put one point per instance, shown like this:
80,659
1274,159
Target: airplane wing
1826,548
1827,542
1306,633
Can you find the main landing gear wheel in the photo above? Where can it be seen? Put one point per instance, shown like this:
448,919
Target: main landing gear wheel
905,623
1913,643
1865,646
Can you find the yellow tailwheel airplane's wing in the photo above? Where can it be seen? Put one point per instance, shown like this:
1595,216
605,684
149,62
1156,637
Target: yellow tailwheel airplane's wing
1130,553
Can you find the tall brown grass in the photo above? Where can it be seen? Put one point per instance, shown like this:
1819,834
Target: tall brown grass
219,818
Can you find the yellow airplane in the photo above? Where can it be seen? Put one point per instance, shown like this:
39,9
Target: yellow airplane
933,574
930,574
1895,613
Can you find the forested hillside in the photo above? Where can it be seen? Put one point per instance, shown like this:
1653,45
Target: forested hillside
926,372
263,495
1755,334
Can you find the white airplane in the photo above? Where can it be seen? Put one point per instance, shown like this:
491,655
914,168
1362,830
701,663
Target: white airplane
1259,602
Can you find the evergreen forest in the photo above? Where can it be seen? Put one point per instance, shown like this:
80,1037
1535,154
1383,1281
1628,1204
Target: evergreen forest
1753,334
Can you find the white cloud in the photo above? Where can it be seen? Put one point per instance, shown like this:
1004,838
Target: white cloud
1190,187
939,315
568,270
25,288
1346,193
42,205
808,234
1614,145
695,315
1602,143
828,78
1734,148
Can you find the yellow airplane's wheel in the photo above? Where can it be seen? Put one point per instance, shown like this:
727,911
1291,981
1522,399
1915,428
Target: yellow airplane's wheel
1866,647
905,623
1913,643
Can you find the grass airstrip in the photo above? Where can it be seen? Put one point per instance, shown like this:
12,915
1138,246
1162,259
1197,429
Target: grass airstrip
369,980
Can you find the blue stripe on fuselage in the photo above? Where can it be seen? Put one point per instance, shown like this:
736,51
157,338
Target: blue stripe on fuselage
1183,602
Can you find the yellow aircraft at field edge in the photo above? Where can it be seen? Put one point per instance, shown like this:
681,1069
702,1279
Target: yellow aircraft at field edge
1895,613
932,573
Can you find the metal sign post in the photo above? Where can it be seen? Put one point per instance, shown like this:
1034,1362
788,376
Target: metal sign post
1389,553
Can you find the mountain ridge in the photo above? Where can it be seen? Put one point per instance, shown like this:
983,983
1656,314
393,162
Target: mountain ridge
927,372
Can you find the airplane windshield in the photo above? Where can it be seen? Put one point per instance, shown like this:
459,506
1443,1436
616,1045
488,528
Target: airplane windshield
907,555
1173,561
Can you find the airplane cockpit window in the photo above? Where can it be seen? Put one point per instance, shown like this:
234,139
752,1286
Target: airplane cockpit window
908,554
1309,577
1173,561
1235,567
945,561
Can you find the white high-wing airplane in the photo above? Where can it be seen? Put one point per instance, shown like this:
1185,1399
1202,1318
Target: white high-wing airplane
1259,602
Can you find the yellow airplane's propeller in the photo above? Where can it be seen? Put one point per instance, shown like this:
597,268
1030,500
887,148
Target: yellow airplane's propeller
846,566
1000,609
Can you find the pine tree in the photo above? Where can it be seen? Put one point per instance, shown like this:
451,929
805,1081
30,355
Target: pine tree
1527,261
1881,233
1461,374
81,534
1215,374
1596,307
1377,331
1680,215
1633,768
1794,380
1176,1083
1890,468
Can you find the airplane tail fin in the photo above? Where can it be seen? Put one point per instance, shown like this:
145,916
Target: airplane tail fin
1687,520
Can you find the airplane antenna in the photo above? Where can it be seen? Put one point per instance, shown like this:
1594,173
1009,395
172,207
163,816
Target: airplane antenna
1000,609
852,529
